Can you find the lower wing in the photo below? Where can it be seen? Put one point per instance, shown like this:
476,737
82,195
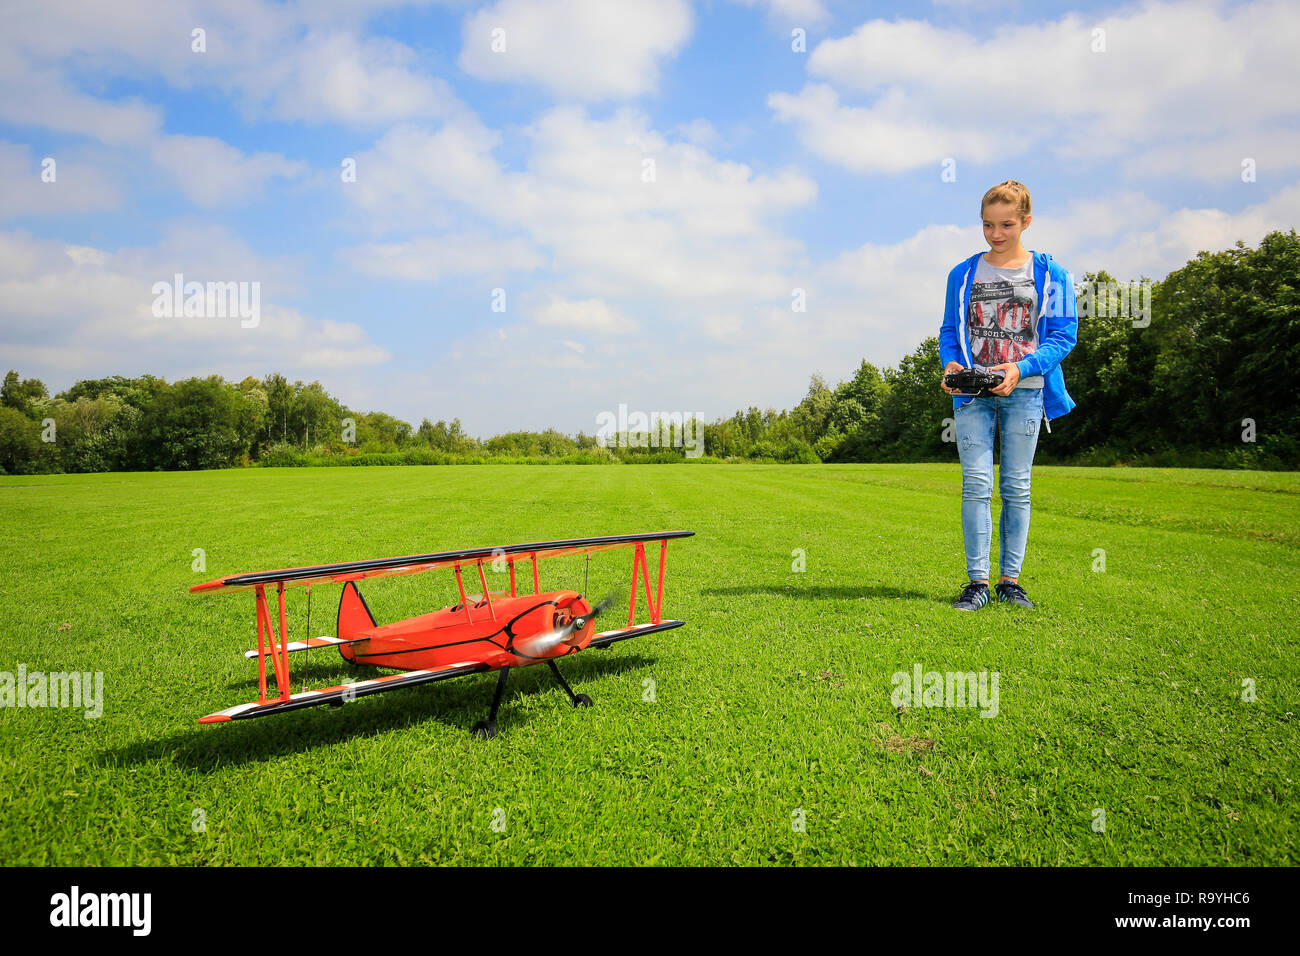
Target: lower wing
344,692
606,638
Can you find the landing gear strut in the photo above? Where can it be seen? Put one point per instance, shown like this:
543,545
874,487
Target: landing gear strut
487,729
579,700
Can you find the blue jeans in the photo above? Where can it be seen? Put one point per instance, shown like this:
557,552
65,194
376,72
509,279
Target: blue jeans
1018,417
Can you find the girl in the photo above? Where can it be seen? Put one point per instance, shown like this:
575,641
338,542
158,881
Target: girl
1012,311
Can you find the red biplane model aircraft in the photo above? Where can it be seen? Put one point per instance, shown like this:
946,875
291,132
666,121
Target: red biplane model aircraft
491,630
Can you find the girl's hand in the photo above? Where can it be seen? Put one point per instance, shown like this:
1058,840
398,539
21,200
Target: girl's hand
950,367
1009,381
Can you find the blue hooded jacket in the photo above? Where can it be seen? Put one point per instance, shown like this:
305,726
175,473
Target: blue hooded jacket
1058,328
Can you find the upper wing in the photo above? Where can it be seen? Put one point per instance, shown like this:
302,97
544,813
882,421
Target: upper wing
412,564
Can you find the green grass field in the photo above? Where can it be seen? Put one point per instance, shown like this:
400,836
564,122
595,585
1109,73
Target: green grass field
1122,692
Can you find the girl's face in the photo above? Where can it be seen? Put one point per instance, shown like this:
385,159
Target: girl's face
1002,227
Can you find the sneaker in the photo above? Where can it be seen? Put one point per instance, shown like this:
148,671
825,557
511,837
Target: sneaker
974,597
1013,593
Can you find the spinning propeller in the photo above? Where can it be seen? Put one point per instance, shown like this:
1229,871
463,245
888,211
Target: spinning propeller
566,626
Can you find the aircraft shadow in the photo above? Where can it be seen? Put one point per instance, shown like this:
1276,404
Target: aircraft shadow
828,593
459,703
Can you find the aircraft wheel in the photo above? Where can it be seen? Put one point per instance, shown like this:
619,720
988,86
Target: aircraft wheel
581,700
485,729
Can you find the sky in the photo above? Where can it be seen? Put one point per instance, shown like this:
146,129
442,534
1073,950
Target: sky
526,213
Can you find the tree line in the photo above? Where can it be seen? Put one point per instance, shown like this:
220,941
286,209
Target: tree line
1204,382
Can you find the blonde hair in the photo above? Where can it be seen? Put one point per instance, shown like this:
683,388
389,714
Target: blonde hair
1008,191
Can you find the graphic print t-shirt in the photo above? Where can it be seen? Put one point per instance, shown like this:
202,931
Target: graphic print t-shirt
1003,317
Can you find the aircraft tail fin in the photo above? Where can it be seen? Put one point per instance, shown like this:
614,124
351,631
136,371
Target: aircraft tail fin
354,616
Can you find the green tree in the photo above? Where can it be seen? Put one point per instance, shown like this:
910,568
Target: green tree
913,412
377,431
279,401
20,442
315,417
23,396
199,423
811,416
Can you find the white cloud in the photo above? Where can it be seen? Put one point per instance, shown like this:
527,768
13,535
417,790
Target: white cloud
588,50
1087,219
1168,72
414,178
891,136
78,186
287,62
304,61
1217,159
699,132
39,95
1168,239
83,311
697,232
430,258
791,13
336,77
210,172
585,315
723,328
881,299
